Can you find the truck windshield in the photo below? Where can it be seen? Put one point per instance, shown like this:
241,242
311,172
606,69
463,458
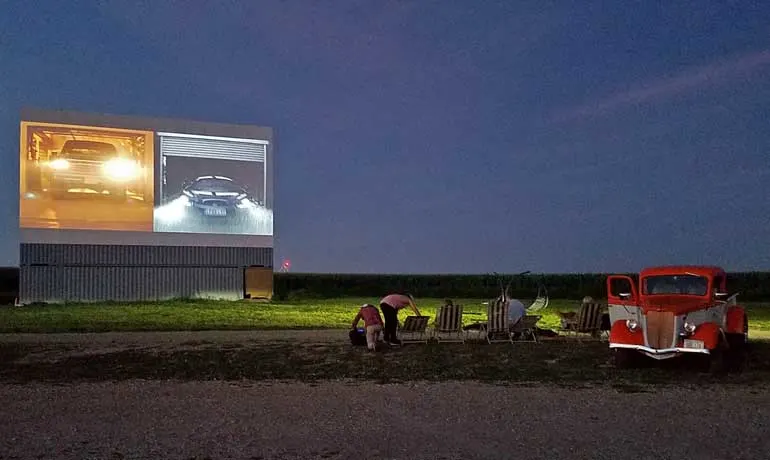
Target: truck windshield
87,150
675,284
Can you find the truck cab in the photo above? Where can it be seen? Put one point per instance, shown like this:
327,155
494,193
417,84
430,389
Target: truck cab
95,165
674,311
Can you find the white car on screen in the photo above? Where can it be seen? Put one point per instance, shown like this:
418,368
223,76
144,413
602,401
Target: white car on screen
217,196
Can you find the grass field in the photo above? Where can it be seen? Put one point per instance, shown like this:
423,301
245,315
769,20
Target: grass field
211,315
571,363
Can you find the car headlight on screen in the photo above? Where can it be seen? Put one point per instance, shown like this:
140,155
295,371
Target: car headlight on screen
121,169
59,164
244,203
173,212
632,325
689,328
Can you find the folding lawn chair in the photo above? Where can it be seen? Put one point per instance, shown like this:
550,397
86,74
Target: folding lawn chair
414,330
497,327
526,328
449,324
541,302
587,321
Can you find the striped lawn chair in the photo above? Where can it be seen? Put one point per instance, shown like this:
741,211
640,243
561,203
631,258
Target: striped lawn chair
589,319
526,328
497,328
449,324
414,330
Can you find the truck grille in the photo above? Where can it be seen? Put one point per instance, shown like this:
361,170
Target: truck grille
215,202
660,329
85,168
80,170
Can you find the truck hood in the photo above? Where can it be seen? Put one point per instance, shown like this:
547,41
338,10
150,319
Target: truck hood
677,304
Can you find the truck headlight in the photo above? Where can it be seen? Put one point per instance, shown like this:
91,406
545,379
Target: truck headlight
689,327
632,324
121,169
59,164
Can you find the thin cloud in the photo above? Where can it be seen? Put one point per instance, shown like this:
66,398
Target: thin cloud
711,74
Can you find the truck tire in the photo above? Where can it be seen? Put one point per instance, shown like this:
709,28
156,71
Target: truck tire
737,353
716,362
58,192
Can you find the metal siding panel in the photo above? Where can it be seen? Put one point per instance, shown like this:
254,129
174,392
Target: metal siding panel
54,254
99,284
92,273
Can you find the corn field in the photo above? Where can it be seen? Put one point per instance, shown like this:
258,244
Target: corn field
752,286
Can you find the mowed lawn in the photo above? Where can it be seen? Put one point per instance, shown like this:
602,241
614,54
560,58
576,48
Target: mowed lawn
222,315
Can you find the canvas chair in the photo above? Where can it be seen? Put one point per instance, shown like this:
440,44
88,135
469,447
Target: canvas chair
587,321
414,330
449,324
541,301
526,328
497,328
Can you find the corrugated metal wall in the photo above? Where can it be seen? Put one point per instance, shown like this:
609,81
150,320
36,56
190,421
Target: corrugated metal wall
127,255
88,273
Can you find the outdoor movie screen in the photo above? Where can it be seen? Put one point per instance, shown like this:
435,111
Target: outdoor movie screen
82,177
212,185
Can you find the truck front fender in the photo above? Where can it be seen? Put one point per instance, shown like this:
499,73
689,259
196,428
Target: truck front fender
709,333
619,333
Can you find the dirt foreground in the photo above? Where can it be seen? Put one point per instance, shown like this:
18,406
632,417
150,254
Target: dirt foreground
338,420
120,397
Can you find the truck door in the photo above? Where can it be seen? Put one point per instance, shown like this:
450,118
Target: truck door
622,298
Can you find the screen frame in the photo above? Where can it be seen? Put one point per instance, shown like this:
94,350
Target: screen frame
257,134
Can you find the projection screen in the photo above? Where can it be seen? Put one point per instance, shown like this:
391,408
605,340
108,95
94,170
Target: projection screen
127,180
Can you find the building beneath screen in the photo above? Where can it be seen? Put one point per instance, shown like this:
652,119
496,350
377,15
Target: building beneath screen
127,208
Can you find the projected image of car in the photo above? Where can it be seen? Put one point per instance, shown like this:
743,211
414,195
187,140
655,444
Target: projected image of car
93,165
217,196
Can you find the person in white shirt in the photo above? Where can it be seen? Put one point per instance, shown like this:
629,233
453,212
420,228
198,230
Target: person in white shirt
516,310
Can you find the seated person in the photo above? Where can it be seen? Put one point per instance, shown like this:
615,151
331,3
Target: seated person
516,311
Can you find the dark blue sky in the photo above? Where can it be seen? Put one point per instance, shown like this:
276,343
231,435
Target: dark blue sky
435,136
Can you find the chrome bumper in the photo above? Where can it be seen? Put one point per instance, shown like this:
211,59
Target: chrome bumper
661,353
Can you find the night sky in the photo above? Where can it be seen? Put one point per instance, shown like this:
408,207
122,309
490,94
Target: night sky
435,136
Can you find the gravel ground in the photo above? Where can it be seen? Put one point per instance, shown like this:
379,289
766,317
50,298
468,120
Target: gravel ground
216,420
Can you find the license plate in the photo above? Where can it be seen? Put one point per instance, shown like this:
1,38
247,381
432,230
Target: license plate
215,212
696,344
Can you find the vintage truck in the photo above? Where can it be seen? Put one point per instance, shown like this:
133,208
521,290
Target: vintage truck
676,311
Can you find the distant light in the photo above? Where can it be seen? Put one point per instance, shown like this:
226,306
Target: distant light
30,195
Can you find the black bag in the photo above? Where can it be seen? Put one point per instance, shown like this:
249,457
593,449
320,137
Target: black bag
358,337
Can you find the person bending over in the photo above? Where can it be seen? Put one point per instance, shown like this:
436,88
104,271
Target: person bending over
372,323
390,305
